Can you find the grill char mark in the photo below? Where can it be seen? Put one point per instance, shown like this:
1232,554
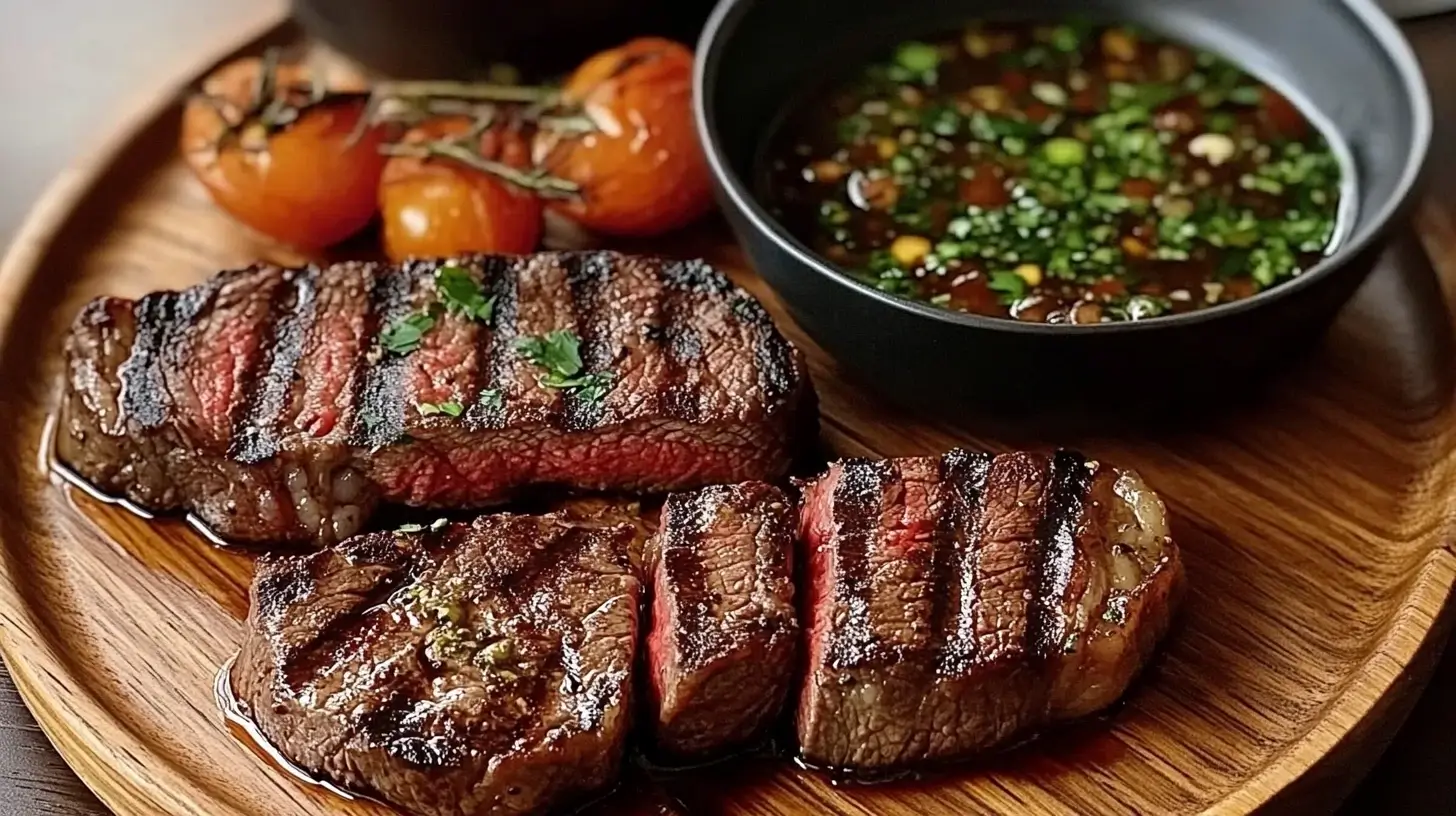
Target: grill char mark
681,343
255,432
1068,482
496,345
857,500
963,479
772,354
682,557
162,318
588,276
380,418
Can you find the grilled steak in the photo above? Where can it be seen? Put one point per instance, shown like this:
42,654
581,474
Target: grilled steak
280,405
955,602
721,647
460,670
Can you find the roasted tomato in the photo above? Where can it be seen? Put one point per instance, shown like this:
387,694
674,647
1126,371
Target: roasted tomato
640,168
436,205
282,157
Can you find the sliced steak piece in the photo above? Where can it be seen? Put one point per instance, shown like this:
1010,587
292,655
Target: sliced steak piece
281,405
956,602
457,670
721,647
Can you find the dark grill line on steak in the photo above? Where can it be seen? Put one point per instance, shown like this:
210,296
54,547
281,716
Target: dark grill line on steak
491,346
255,431
380,418
954,557
162,317
1068,483
857,511
263,401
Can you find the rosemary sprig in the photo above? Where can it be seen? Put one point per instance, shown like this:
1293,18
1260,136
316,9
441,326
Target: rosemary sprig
478,91
270,107
536,180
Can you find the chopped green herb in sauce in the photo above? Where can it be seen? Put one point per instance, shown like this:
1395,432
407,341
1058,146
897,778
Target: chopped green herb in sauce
1065,174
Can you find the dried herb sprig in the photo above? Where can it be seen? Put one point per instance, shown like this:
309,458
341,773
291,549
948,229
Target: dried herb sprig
476,91
536,180
270,107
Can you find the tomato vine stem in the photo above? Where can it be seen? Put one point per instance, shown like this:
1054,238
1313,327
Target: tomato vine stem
535,180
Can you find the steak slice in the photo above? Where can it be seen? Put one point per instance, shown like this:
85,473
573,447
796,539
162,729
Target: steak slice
454,671
723,636
280,405
957,602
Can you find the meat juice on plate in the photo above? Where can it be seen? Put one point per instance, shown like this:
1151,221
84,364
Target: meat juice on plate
1069,173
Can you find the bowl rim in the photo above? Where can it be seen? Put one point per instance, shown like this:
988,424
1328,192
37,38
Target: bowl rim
722,24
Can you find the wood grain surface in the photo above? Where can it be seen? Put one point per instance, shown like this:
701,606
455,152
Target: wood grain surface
1316,524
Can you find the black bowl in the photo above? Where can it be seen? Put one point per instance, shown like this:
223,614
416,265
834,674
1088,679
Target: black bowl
1343,60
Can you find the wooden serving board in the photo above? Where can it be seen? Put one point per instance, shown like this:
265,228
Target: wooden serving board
1317,527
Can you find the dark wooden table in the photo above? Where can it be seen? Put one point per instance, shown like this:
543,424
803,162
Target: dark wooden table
1417,775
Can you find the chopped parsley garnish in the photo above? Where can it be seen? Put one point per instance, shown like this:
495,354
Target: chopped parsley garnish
491,399
461,293
450,408
457,292
404,335
558,354
591,387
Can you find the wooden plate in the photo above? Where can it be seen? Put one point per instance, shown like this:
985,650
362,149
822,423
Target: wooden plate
1316,523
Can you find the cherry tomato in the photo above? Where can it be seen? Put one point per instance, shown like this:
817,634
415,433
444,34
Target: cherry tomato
439,207
641,170
303,181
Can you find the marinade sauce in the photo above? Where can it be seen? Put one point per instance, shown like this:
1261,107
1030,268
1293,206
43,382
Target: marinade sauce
1070,173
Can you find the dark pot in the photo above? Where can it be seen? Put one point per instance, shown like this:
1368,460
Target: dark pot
463,38
1344,57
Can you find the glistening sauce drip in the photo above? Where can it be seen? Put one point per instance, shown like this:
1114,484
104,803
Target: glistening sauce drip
240,724
62,474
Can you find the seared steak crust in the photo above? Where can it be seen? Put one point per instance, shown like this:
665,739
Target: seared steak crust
456,671
956,602
721,649
266,402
